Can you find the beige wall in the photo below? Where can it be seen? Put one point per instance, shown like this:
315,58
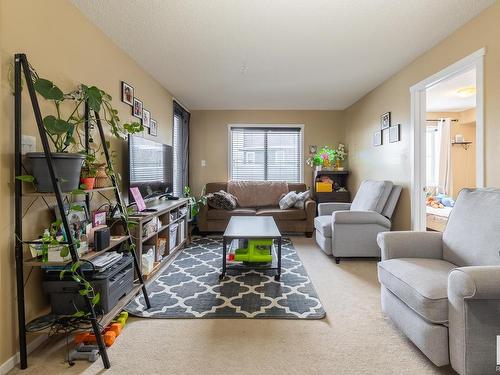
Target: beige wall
209,138
392,160
65,47
463,161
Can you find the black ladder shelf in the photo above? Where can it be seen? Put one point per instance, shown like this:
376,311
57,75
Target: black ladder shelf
21,65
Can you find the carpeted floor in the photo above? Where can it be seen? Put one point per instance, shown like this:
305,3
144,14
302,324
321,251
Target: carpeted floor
354,338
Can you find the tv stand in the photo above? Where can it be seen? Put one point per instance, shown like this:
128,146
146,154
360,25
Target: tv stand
169,212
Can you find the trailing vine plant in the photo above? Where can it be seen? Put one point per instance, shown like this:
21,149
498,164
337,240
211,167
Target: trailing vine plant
61,129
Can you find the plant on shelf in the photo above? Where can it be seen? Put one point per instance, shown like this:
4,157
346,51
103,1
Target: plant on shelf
88,172
341,156
326,157
54,240
68,122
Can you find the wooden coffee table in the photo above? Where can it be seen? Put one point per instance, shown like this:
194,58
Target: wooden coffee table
247,228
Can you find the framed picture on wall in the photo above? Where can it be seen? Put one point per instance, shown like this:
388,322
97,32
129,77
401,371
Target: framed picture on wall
127,94
385,120
153,127
377,138
146,118
394,133
137,108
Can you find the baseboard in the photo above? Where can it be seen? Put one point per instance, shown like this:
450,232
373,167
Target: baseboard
14,360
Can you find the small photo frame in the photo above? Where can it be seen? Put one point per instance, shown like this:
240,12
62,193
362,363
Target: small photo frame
153,128
146,118
98,218
127,93
394,134
137,108
385,120
377,138
78,218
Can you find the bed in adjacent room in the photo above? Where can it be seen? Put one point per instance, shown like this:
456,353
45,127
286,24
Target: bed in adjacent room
437,218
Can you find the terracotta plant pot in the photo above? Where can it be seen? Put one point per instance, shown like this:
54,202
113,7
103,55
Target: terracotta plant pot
88,182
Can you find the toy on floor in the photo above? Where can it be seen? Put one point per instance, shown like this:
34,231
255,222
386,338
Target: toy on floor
114,327
258,251
121,318
86,340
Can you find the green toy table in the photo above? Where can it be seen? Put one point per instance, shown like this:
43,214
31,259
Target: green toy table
261,228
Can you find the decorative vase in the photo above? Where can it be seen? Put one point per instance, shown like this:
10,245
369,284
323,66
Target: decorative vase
337,165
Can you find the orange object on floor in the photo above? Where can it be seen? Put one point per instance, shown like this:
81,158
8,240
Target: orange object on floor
109,338
114,327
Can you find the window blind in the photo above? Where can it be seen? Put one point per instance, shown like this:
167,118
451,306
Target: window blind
266,153
147,162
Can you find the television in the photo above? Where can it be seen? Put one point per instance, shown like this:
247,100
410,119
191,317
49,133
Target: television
150,167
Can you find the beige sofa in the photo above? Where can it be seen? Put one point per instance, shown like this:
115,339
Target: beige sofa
259,198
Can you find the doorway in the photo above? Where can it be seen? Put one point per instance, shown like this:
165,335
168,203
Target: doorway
447,140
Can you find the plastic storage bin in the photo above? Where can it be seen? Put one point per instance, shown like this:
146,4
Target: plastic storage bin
324,187
173,236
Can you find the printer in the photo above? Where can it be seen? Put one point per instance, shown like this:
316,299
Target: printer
110,274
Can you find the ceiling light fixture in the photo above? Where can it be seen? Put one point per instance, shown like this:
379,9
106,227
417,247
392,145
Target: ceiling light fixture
465,92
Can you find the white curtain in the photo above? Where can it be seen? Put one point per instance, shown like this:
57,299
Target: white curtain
444,157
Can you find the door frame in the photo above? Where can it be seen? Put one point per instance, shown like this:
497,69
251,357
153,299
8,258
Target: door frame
418,123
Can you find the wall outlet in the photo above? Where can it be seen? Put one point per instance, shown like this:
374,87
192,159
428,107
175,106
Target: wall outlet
203,163
28,144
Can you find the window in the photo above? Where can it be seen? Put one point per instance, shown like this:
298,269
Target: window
265,153
180,149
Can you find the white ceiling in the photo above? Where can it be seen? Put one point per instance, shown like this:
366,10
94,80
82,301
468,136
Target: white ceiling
276,54
443,97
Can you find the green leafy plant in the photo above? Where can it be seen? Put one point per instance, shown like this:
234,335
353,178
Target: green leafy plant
53,238
325,157
61,129
86,289
194,203
90,165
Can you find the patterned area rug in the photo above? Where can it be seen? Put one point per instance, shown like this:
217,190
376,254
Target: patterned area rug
190,288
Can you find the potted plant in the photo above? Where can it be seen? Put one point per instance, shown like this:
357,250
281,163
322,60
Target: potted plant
324,158
88,173
64,124
341,156
194,204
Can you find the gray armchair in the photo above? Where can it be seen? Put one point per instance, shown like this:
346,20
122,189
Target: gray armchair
443,289
350,229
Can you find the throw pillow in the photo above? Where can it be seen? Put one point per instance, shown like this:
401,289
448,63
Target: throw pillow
288,200
301,199
222,200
